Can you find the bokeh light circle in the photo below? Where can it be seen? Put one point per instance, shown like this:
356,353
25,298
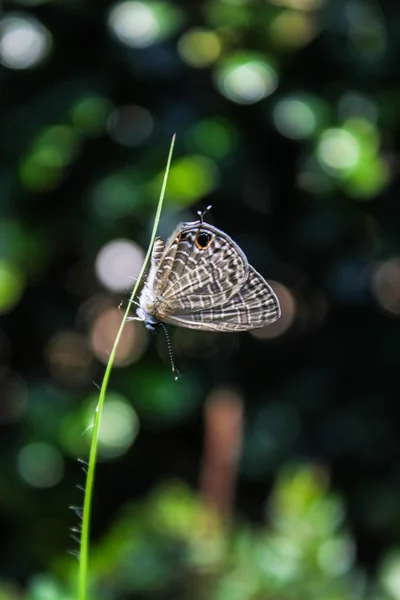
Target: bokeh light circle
385,284
353,104
134,24
246,80
11,285
132,344
24,41
68,354
190,178
390,574
294,118
118,264
291,29
338,150
89,115
215,137
40,465
199,47
130,125
119,427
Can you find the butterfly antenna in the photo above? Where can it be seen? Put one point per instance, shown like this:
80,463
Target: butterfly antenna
175,369
201,213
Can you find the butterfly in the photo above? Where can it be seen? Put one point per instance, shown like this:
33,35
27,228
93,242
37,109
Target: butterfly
201,279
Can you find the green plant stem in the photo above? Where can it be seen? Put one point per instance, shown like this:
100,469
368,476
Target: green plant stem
87,504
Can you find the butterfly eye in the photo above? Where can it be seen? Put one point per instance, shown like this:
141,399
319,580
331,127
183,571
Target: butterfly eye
203,240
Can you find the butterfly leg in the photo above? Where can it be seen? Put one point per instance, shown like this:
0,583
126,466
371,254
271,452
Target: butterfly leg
130,318
129,302
143,277
134,302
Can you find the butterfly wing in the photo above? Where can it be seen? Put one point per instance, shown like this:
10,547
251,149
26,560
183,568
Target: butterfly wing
156,255
200,267
157,252
254,305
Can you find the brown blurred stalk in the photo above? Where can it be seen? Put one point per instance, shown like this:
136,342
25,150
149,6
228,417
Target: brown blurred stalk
223,437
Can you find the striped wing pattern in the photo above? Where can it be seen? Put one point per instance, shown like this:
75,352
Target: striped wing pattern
158,251
254,306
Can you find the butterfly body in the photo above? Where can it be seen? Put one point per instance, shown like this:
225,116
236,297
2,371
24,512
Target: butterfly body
201,279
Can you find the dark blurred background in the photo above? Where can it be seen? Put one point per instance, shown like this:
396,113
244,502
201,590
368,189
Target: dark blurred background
272,469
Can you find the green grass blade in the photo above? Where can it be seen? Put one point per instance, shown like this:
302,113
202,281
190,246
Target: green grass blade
87,504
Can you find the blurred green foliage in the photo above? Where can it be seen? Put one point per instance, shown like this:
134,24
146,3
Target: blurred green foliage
174,545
